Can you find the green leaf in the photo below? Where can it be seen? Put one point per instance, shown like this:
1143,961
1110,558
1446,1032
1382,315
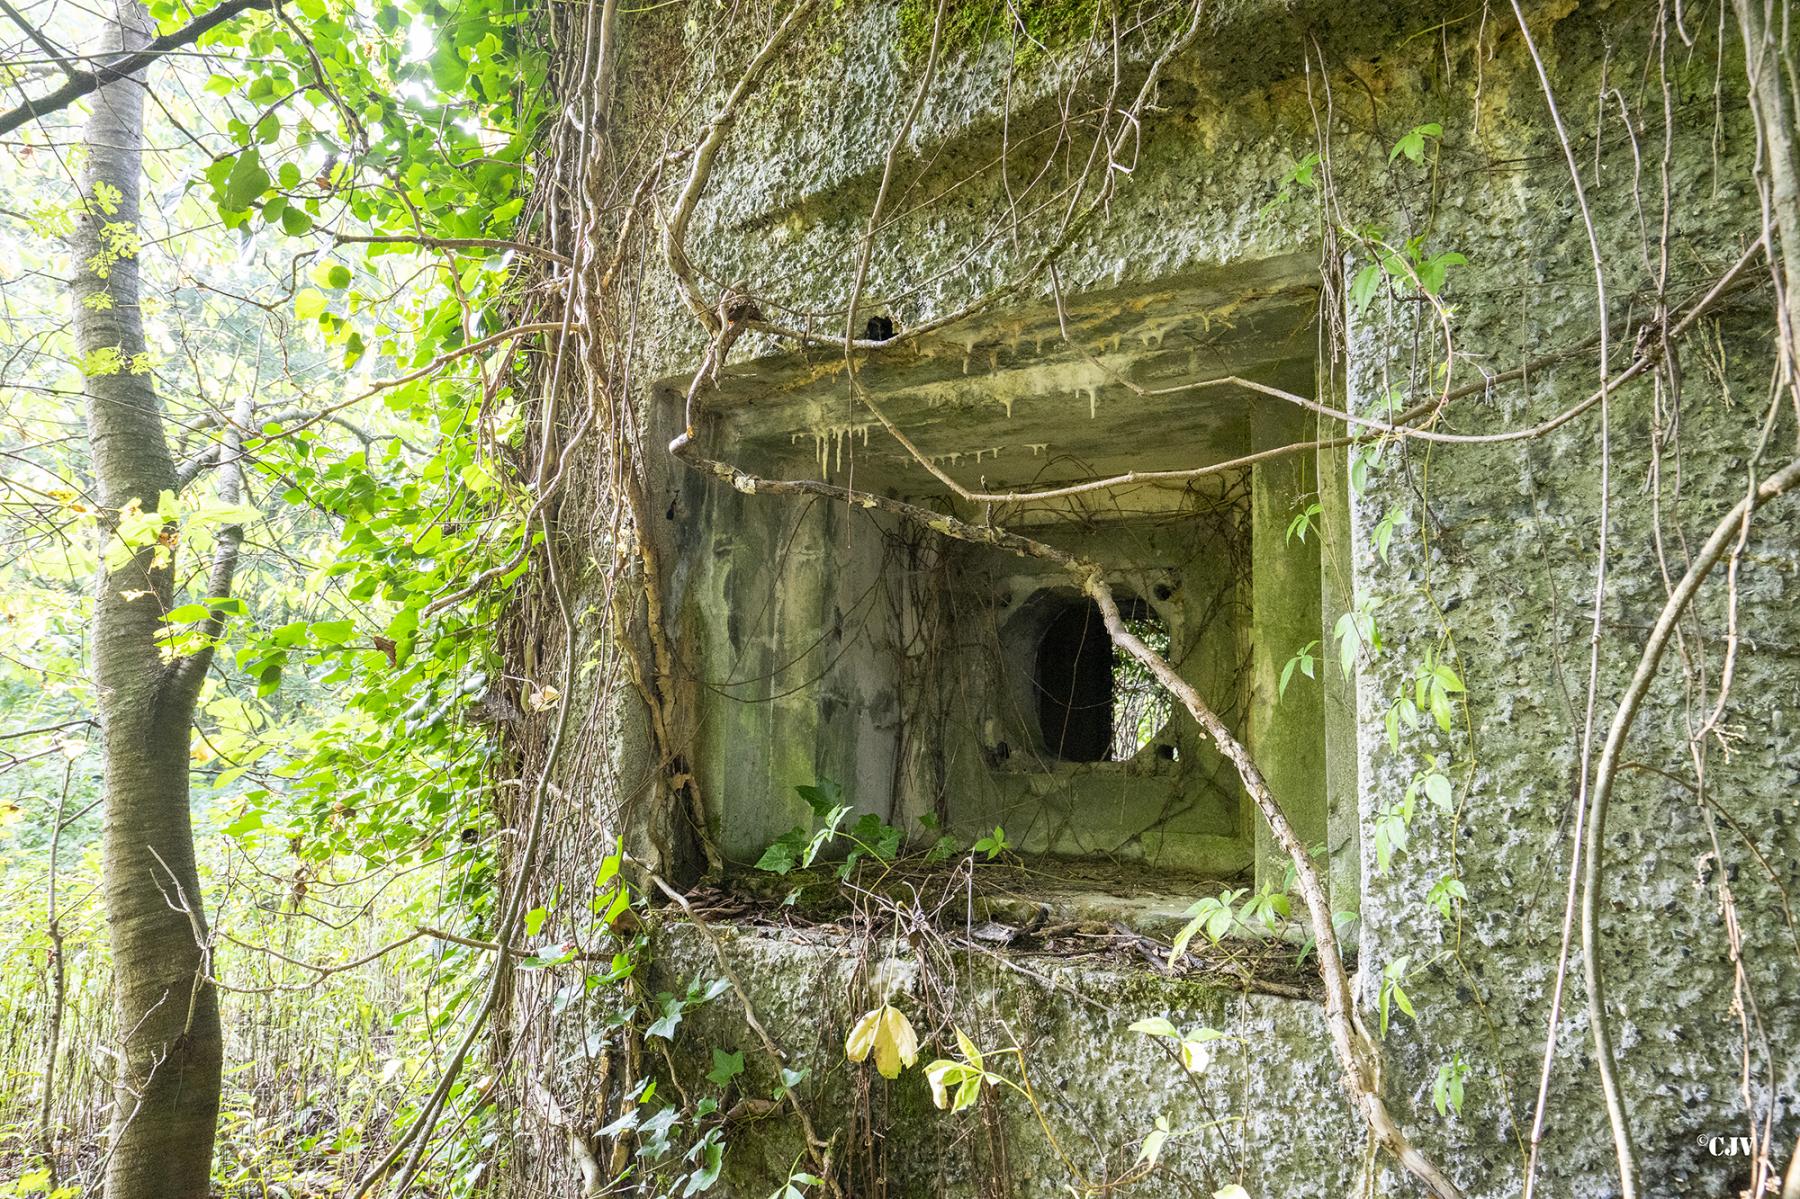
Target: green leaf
333,275
447,68
246,182
333,632
725,1067
713,1162
609,866
309,303
1155,1026
1441,710
1152,1147
1433,271
822,797
1348,644
249,822
1412,144
665,1025
786,852
295,221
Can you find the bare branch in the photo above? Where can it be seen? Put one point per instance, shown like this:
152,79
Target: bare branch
82,82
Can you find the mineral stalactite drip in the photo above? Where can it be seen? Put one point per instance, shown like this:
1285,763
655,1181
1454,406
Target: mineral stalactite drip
828,444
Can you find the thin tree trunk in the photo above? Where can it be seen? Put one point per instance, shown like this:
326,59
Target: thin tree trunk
1769,63
166,1097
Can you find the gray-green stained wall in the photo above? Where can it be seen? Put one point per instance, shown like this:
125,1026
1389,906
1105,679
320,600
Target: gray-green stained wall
828,642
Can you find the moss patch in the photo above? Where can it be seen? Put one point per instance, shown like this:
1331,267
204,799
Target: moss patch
1035,27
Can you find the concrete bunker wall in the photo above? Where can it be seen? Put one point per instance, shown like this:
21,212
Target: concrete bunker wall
799,618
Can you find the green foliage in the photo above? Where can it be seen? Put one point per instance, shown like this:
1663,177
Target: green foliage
1303,175
332,742
1412,143
956,1083
1210,914
1408,268
796,1178
1306,661
1431,687
1195,1047
1357,632
992,845
726,1066
800,846
1447,1087
1305,521
1392,994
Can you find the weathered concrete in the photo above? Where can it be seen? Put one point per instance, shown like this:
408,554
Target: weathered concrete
829,643
1099,1086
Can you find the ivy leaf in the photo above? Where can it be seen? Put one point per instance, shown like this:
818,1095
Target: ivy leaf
784,854
822,797
725,1067
666,1024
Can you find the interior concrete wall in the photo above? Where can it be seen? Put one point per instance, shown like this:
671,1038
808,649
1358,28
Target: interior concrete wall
1187,814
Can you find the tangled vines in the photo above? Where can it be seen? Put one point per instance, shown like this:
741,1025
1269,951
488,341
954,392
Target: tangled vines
619,210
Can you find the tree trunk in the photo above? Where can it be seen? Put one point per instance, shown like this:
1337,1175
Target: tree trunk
166,1098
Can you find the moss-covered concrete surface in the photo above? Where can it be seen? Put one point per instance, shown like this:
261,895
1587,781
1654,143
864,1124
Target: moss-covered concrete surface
807,627
1099,1087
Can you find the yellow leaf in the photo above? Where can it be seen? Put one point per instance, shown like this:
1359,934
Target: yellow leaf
889,1035
968,1049
897,1045
938,1075
862,1036
1196,1056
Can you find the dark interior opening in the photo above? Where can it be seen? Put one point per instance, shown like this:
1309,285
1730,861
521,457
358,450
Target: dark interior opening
1096,704
1074,684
